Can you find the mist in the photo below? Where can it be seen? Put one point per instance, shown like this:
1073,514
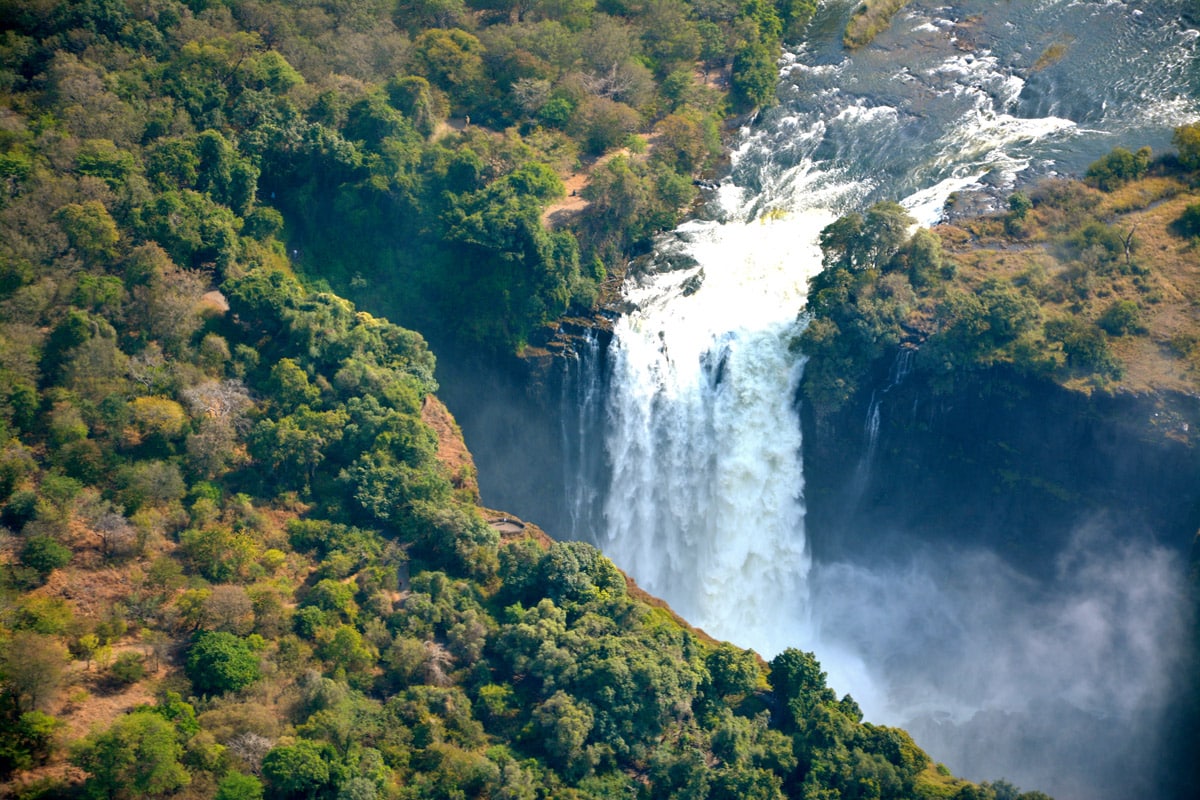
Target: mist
1064,685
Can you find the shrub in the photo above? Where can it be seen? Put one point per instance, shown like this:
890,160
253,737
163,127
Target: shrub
236,786
1121,318
1188,224
129,668
1187,142
1019,205
44,555
298,770
1118,168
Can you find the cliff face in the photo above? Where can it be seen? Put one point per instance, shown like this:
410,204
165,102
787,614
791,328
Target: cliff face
1003,461
1027,470
521,420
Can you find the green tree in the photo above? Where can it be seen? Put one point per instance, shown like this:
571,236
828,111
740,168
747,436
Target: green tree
732,671
922,259
453,61
300,770
219,662
1084,345
798,682
90,229
1188,224
128,668
1121,318
689,141
1187,142
754,76
346,651
101,158
32,667
413,97
563,725
29,742
236,786
44,554
137,757
1118,168
885,229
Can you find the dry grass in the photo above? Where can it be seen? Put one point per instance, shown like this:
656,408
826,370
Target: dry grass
452,451
1162,276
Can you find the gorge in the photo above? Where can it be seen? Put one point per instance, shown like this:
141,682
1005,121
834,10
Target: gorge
1004,570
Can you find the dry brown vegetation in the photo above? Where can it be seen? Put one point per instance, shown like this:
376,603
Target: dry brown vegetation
1160,273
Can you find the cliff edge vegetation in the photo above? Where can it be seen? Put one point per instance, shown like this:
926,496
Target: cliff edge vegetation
1091,283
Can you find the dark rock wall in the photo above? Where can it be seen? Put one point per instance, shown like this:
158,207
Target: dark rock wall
520,421
1006,462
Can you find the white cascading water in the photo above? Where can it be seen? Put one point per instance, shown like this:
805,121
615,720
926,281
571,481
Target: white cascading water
706,496
704,504
582,387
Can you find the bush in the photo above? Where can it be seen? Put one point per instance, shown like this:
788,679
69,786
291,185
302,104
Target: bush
1187,142
1084,345
129,668
1121,318
1118,168
1188,224
44,555
298,770
220,662
236,786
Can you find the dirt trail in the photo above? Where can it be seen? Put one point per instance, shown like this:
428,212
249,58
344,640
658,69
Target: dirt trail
572,203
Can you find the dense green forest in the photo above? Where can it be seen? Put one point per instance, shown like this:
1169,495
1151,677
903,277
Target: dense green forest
232,561
1091,283
405,151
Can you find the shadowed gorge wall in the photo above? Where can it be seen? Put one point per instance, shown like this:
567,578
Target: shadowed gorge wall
1004,462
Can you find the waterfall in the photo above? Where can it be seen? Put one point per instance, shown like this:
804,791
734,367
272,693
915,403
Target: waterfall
580,411
704,504
705,507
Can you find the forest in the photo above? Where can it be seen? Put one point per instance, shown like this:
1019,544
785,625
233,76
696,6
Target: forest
429,136
235,560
